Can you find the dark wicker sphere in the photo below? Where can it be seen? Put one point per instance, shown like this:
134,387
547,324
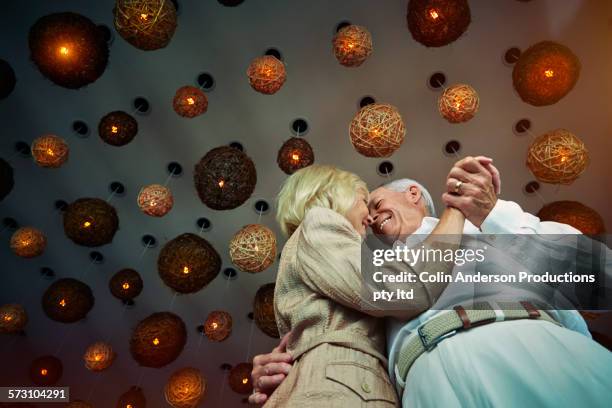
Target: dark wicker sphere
545,73
125,284
436,23
46,371
188,263
583,218
118,128
69,49
7,181
90,222
240,378
134,398
295,154
190,101
67,300
7,79
146,24
225,178
158,339
263,310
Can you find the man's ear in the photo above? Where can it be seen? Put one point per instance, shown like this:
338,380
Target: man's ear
413,194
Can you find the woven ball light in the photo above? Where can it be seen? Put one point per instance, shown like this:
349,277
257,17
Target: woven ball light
13,318
90,222
190,101
79,404
545,73
583,218
67,300
240,378
117,128
7,79
126,284
188,263
158,339
69,49
436,23
50,151
225,178
46,371
185,388
7,181
146,24
28,242
263,310
253,248
557,157
294,154
99,356
377,130
458,103
352,45
267,74
132,398
155,200
218,325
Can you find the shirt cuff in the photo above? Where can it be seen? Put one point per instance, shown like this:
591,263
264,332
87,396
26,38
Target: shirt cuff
506,217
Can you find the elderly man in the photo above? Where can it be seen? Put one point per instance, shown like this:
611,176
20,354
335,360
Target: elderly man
542,359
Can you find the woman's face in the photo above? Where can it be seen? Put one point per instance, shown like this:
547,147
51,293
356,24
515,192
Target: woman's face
358,215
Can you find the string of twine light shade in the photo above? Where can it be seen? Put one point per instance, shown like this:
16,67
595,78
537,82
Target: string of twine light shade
267,74
133,397
125,284
240,378
67,300
557,157
99,356
117,128
352,45
90,222
155,200
263,310
296,153
584,218
13,318
253,248
146,24
218,325
79,404
46,370
28,242
158,339
377,130
458,103
185,388
189,102
50,151
436,23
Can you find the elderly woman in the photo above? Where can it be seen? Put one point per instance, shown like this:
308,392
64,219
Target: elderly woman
337,340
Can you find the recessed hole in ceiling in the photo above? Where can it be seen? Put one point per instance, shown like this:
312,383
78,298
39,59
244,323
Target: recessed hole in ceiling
366,100
342,24
522,126
116,188
10,223
175,169
452,148
106,33
23,148
141,105
80,128
261,206
512,55
532,187
299,127
96,257
275,53
250,316
230,274
60,205
237,145
148,241
385,168
204,224
128,302
436,80
225,367
47,272
231,3
206,81
176,5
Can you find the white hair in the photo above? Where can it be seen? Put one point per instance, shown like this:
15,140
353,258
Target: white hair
402,185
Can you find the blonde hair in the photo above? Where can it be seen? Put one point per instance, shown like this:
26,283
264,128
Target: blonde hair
316,186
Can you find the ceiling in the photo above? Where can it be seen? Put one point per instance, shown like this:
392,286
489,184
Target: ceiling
222,41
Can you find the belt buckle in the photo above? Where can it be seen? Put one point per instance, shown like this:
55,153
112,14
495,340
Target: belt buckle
429,345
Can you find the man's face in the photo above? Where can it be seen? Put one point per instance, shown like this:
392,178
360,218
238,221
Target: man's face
395,213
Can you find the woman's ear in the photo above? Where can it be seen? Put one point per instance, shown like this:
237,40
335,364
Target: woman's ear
413,194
